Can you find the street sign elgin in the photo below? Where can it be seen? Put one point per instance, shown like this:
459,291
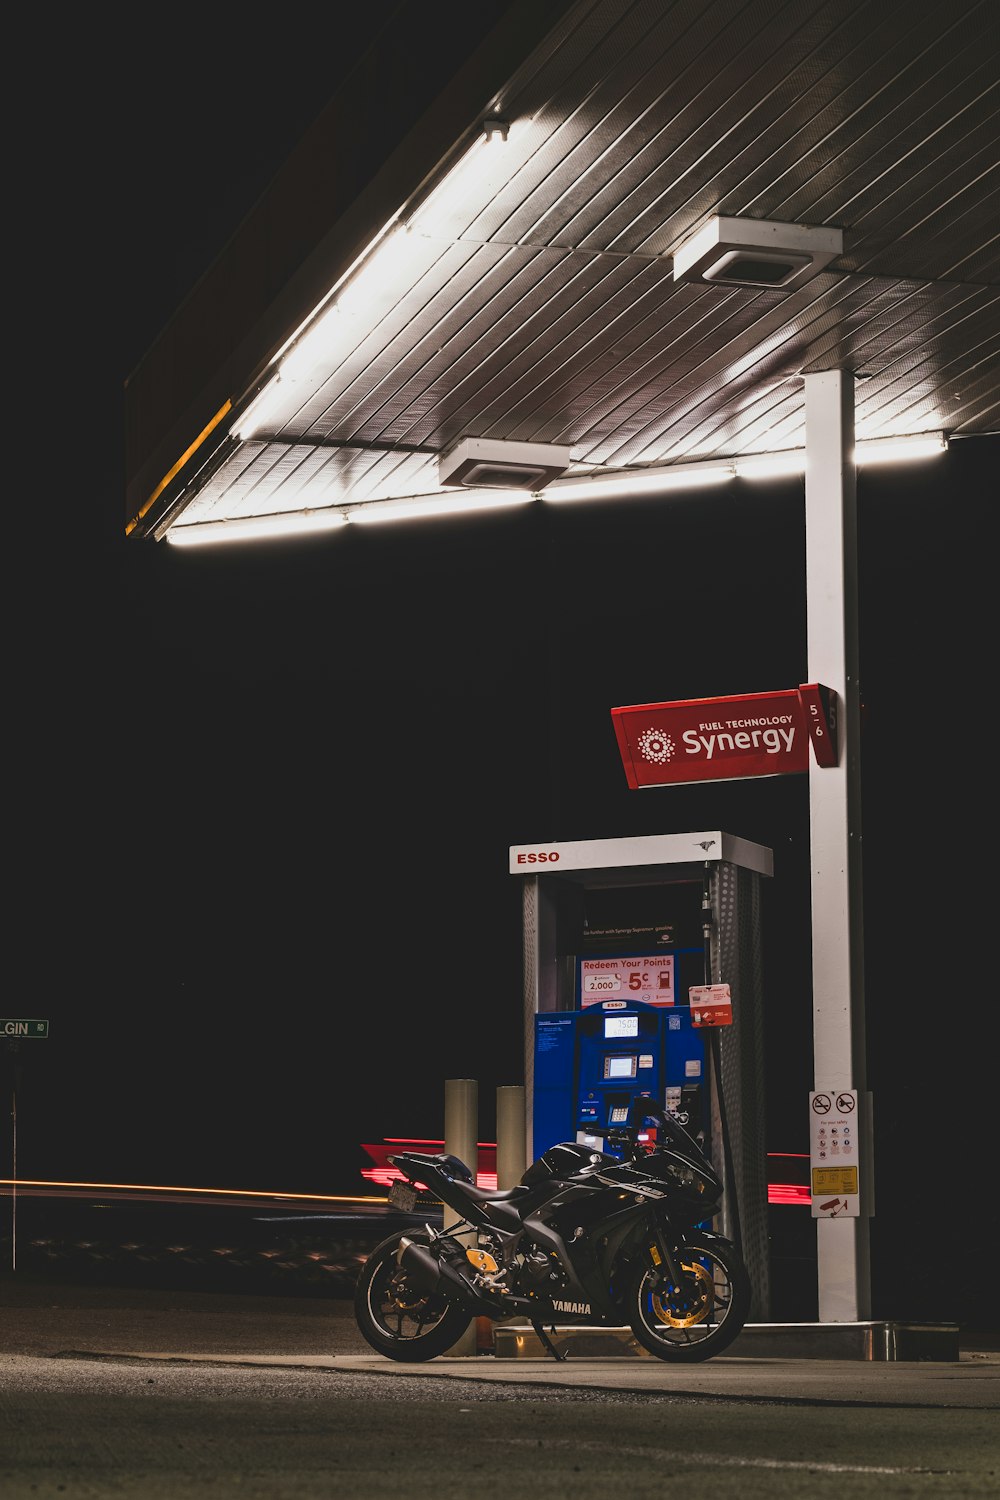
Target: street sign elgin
16,1031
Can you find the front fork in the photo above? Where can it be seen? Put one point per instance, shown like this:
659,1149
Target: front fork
662,1257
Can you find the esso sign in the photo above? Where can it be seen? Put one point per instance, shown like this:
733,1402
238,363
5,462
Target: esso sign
539,857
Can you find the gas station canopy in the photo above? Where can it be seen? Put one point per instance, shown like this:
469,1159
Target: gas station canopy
540,251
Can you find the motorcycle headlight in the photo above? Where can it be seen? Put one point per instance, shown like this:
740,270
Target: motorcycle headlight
685,1178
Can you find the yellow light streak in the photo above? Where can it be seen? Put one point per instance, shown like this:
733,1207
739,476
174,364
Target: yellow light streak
226,407
142,1187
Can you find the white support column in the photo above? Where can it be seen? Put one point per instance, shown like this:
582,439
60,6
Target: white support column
835,815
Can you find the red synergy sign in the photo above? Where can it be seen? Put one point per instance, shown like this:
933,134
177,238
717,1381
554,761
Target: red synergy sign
727,739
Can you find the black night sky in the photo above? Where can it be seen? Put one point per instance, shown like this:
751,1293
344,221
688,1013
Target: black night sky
274,870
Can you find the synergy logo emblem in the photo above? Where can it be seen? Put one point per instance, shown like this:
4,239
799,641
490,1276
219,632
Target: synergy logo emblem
655,746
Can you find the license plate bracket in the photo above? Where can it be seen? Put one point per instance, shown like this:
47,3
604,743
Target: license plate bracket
402,1196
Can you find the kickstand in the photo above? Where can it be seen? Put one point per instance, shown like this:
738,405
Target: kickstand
544,1339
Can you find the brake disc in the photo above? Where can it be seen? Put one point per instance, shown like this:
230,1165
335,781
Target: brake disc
681,1311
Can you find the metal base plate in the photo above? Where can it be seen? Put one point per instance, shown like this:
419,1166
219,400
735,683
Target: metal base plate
865,1341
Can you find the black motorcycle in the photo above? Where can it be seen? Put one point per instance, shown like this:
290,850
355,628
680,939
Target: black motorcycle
612,1238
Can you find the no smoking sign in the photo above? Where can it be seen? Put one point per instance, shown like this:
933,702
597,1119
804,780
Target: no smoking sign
834,1158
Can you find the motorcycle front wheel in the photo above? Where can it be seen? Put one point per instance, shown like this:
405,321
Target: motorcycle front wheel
704,1316
398,1318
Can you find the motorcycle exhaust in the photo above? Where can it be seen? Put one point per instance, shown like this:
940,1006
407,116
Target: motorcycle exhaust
433,1275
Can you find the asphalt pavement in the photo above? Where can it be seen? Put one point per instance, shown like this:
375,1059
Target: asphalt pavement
44,1318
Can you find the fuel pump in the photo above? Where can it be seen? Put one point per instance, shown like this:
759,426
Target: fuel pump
590,1064
652,920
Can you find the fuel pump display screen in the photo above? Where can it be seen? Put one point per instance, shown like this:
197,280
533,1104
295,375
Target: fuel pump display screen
620,1067
620,1026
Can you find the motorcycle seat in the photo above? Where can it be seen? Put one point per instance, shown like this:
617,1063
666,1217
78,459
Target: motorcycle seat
493,1195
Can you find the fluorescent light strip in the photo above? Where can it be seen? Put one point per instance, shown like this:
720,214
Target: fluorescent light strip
899,449
640,481
438,505
753,466
872,451
372,279
261,409
770,465
591,487
254,528
397,255
475,177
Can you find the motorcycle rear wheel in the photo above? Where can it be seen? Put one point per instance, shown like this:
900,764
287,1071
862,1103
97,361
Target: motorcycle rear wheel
396,1317
707,1313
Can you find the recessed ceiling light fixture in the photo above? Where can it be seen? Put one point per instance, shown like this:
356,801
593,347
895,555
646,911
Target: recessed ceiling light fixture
488,463
756,252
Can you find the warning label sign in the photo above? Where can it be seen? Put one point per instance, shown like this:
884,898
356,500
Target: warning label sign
834,1180
711,1005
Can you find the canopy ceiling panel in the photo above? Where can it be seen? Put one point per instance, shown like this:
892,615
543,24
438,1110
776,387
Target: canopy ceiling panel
535,300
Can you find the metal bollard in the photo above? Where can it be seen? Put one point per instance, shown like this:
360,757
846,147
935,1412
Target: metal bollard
511,1160
461,1139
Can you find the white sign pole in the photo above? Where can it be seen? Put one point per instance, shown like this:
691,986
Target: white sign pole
844,1274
